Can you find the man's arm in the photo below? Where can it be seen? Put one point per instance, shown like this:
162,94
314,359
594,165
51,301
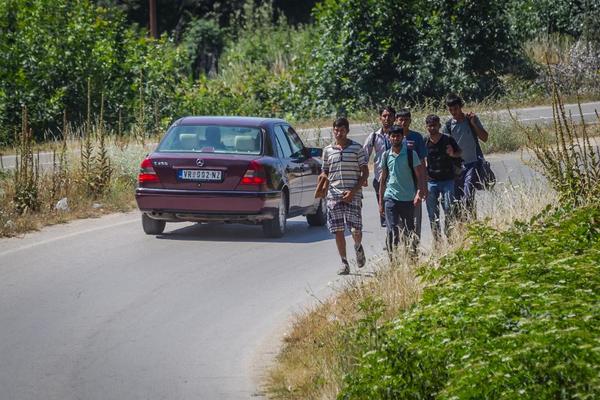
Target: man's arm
382,187
453,149
476,125
421,184
325,168
368,148
364,177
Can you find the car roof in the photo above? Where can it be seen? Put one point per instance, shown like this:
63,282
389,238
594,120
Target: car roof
228,121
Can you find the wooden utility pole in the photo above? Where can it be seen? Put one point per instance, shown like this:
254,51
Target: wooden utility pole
152,16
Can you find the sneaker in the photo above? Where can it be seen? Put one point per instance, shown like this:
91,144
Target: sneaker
361,260
344,269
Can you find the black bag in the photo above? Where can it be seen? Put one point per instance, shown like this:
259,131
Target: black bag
487,178
457,167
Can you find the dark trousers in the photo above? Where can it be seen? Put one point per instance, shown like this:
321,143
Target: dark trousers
400,221
376,187
465,192
418,218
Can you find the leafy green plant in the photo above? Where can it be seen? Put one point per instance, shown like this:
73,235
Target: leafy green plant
515,315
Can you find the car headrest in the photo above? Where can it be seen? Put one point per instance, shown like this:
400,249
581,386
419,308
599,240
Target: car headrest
189,141
245,144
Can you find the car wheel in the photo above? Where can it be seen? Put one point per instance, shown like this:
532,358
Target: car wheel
275,228
320,217
152,226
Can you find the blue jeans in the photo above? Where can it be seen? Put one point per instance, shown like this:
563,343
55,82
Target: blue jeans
465,190
445,190
400,222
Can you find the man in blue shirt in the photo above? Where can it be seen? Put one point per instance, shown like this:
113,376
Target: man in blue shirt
402,188
414,141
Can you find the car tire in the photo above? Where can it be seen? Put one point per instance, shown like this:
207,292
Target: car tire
275,228
152,226
320,217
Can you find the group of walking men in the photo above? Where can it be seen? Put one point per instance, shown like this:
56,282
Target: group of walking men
440,169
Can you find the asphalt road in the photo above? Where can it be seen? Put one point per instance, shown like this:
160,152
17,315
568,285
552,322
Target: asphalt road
95,309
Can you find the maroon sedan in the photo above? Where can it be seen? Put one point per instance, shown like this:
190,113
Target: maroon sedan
230,169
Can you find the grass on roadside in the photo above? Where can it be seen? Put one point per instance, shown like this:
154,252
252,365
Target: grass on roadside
65,179
322,345
515,315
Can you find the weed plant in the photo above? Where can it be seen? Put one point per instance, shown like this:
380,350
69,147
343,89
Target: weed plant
26,176
569,157
111,163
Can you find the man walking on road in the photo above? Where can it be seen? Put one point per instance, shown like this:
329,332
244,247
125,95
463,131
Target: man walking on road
379,142
402,189
414,141
443,159
467,130
345,167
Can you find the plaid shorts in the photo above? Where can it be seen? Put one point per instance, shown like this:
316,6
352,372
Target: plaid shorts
341,215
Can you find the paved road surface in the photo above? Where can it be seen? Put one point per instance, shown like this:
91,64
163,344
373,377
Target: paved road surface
95,309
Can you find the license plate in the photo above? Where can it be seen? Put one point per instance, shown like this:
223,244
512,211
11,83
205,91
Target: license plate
201,175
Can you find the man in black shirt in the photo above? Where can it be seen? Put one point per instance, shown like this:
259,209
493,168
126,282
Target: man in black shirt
443,163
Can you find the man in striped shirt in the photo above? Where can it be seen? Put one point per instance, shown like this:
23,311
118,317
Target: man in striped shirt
345,166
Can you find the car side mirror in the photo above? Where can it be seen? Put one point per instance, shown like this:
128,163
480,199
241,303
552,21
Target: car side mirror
314,152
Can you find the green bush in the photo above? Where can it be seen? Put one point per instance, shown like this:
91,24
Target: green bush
538,18
49,49
516,315
373,50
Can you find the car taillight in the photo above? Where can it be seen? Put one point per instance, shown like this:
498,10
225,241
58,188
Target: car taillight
255,175
147,173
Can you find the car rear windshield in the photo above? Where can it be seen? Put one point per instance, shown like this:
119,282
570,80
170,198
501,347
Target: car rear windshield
212,139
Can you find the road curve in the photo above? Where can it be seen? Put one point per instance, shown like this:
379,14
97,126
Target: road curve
95,309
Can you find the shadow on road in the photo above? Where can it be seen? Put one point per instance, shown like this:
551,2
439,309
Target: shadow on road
296,232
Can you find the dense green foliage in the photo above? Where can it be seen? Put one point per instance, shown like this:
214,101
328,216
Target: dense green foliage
255,57
373,50
50,49
516,315
534,18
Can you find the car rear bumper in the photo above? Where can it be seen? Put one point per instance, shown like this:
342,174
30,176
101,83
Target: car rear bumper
208,206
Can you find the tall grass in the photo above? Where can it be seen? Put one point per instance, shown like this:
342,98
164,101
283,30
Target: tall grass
320,347
569,157
94,171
